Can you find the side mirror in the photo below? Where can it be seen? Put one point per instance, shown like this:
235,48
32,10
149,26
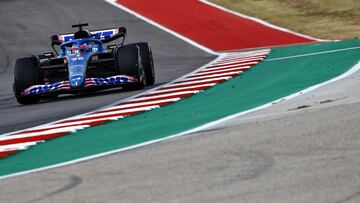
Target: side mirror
122,31
55,40
55,43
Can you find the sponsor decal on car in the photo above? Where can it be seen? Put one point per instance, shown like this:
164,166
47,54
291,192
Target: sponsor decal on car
89,82
77,69
77,58
39,89
111,80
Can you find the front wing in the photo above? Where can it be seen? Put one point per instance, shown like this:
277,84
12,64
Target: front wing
64,86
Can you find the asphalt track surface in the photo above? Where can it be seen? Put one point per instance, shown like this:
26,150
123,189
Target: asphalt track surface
27,27
302,150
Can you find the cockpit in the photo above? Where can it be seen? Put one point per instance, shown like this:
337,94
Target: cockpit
80,47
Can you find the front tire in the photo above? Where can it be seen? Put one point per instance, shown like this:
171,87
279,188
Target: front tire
25,75
128,62
147,60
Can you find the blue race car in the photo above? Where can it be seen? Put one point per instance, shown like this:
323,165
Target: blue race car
81,63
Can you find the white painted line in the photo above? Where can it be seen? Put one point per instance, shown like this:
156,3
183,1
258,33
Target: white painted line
164,95
226,63
175,86
54,125
193,43
14,147
161,94
142,103
243,66
200,81
217,73
208,81
239,60
113,113
232,63
247,54
262,50
184,88
74,119
228,74
196,81
221,73
236,69
267,24
46,132
313,54
247,59
258,58
234,57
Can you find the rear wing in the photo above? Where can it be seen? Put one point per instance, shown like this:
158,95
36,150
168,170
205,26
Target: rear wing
105,35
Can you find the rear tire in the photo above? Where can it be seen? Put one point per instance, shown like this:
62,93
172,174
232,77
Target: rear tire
148,63
128,62
25,75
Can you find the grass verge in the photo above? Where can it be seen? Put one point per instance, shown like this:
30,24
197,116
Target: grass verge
326,19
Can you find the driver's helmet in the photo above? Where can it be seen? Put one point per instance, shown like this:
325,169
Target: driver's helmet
82,34
84,47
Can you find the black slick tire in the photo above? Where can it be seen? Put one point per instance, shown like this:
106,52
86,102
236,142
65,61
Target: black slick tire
128,62
147,61
25,75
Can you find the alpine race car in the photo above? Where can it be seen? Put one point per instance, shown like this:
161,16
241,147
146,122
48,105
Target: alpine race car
81,63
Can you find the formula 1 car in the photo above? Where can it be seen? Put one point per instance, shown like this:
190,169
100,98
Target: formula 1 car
82,63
